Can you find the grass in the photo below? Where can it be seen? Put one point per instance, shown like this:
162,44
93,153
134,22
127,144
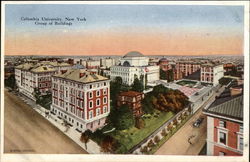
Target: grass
130,137
186,82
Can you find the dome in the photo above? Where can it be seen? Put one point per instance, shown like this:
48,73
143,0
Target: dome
134,54
163,60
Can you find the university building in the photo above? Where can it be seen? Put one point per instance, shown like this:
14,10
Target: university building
133,99
135,65
30,76
211,73
185,68
225,124
81,98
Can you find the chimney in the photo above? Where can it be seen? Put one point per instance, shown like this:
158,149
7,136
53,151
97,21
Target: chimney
63,71
235,91
81,75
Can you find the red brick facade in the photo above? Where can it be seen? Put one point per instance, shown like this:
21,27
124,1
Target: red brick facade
232,129
133,100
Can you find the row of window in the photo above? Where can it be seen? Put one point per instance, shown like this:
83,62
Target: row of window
96,85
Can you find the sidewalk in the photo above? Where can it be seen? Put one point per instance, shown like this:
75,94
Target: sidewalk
92,147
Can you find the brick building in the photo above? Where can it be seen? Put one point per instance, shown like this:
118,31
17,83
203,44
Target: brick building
225,125
185,68
133,100
81,98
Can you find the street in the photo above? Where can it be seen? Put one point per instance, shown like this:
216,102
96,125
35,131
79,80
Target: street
179,144
26,131
188,140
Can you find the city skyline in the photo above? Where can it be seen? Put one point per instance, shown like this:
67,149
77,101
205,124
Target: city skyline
118,29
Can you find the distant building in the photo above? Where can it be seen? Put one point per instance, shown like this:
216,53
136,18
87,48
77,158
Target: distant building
60,67
164,64
30,76
93,64
185,68
135,65
81,98
107,62
211,73
133,100
225,124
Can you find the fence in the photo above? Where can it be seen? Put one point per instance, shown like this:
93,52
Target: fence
157,132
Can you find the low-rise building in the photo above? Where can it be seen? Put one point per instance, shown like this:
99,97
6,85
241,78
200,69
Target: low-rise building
81,98
133,100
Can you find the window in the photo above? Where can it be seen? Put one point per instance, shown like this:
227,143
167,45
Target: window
90,104
90,114
104,109
104,91
90,86
99,122
104,100
222,153
98,102
98,93
104,83
241,128
97,111
240,143
90,95
222,124
91,125
222,138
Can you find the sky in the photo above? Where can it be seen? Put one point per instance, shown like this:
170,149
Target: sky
119,29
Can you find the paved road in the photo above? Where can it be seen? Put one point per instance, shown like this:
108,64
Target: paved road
25,131
178,144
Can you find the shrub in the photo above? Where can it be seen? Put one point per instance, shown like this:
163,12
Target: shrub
151,143
164,132
156,139
144,149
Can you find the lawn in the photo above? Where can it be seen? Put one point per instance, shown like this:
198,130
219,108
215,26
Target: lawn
186,82
130,137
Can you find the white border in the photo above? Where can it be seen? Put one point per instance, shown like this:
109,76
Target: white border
144,158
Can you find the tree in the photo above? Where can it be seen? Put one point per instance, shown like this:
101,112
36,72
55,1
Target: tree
163,75
163,132
37,95
124,118
115,88
170,75
156,139
85,138
137,85
139,123
151,143
108,144
147,105
11,81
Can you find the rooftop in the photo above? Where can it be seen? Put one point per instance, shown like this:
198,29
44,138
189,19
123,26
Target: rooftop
81,75
134,54
130,93
232,108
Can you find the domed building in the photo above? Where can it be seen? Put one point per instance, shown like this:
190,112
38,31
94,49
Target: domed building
135,64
